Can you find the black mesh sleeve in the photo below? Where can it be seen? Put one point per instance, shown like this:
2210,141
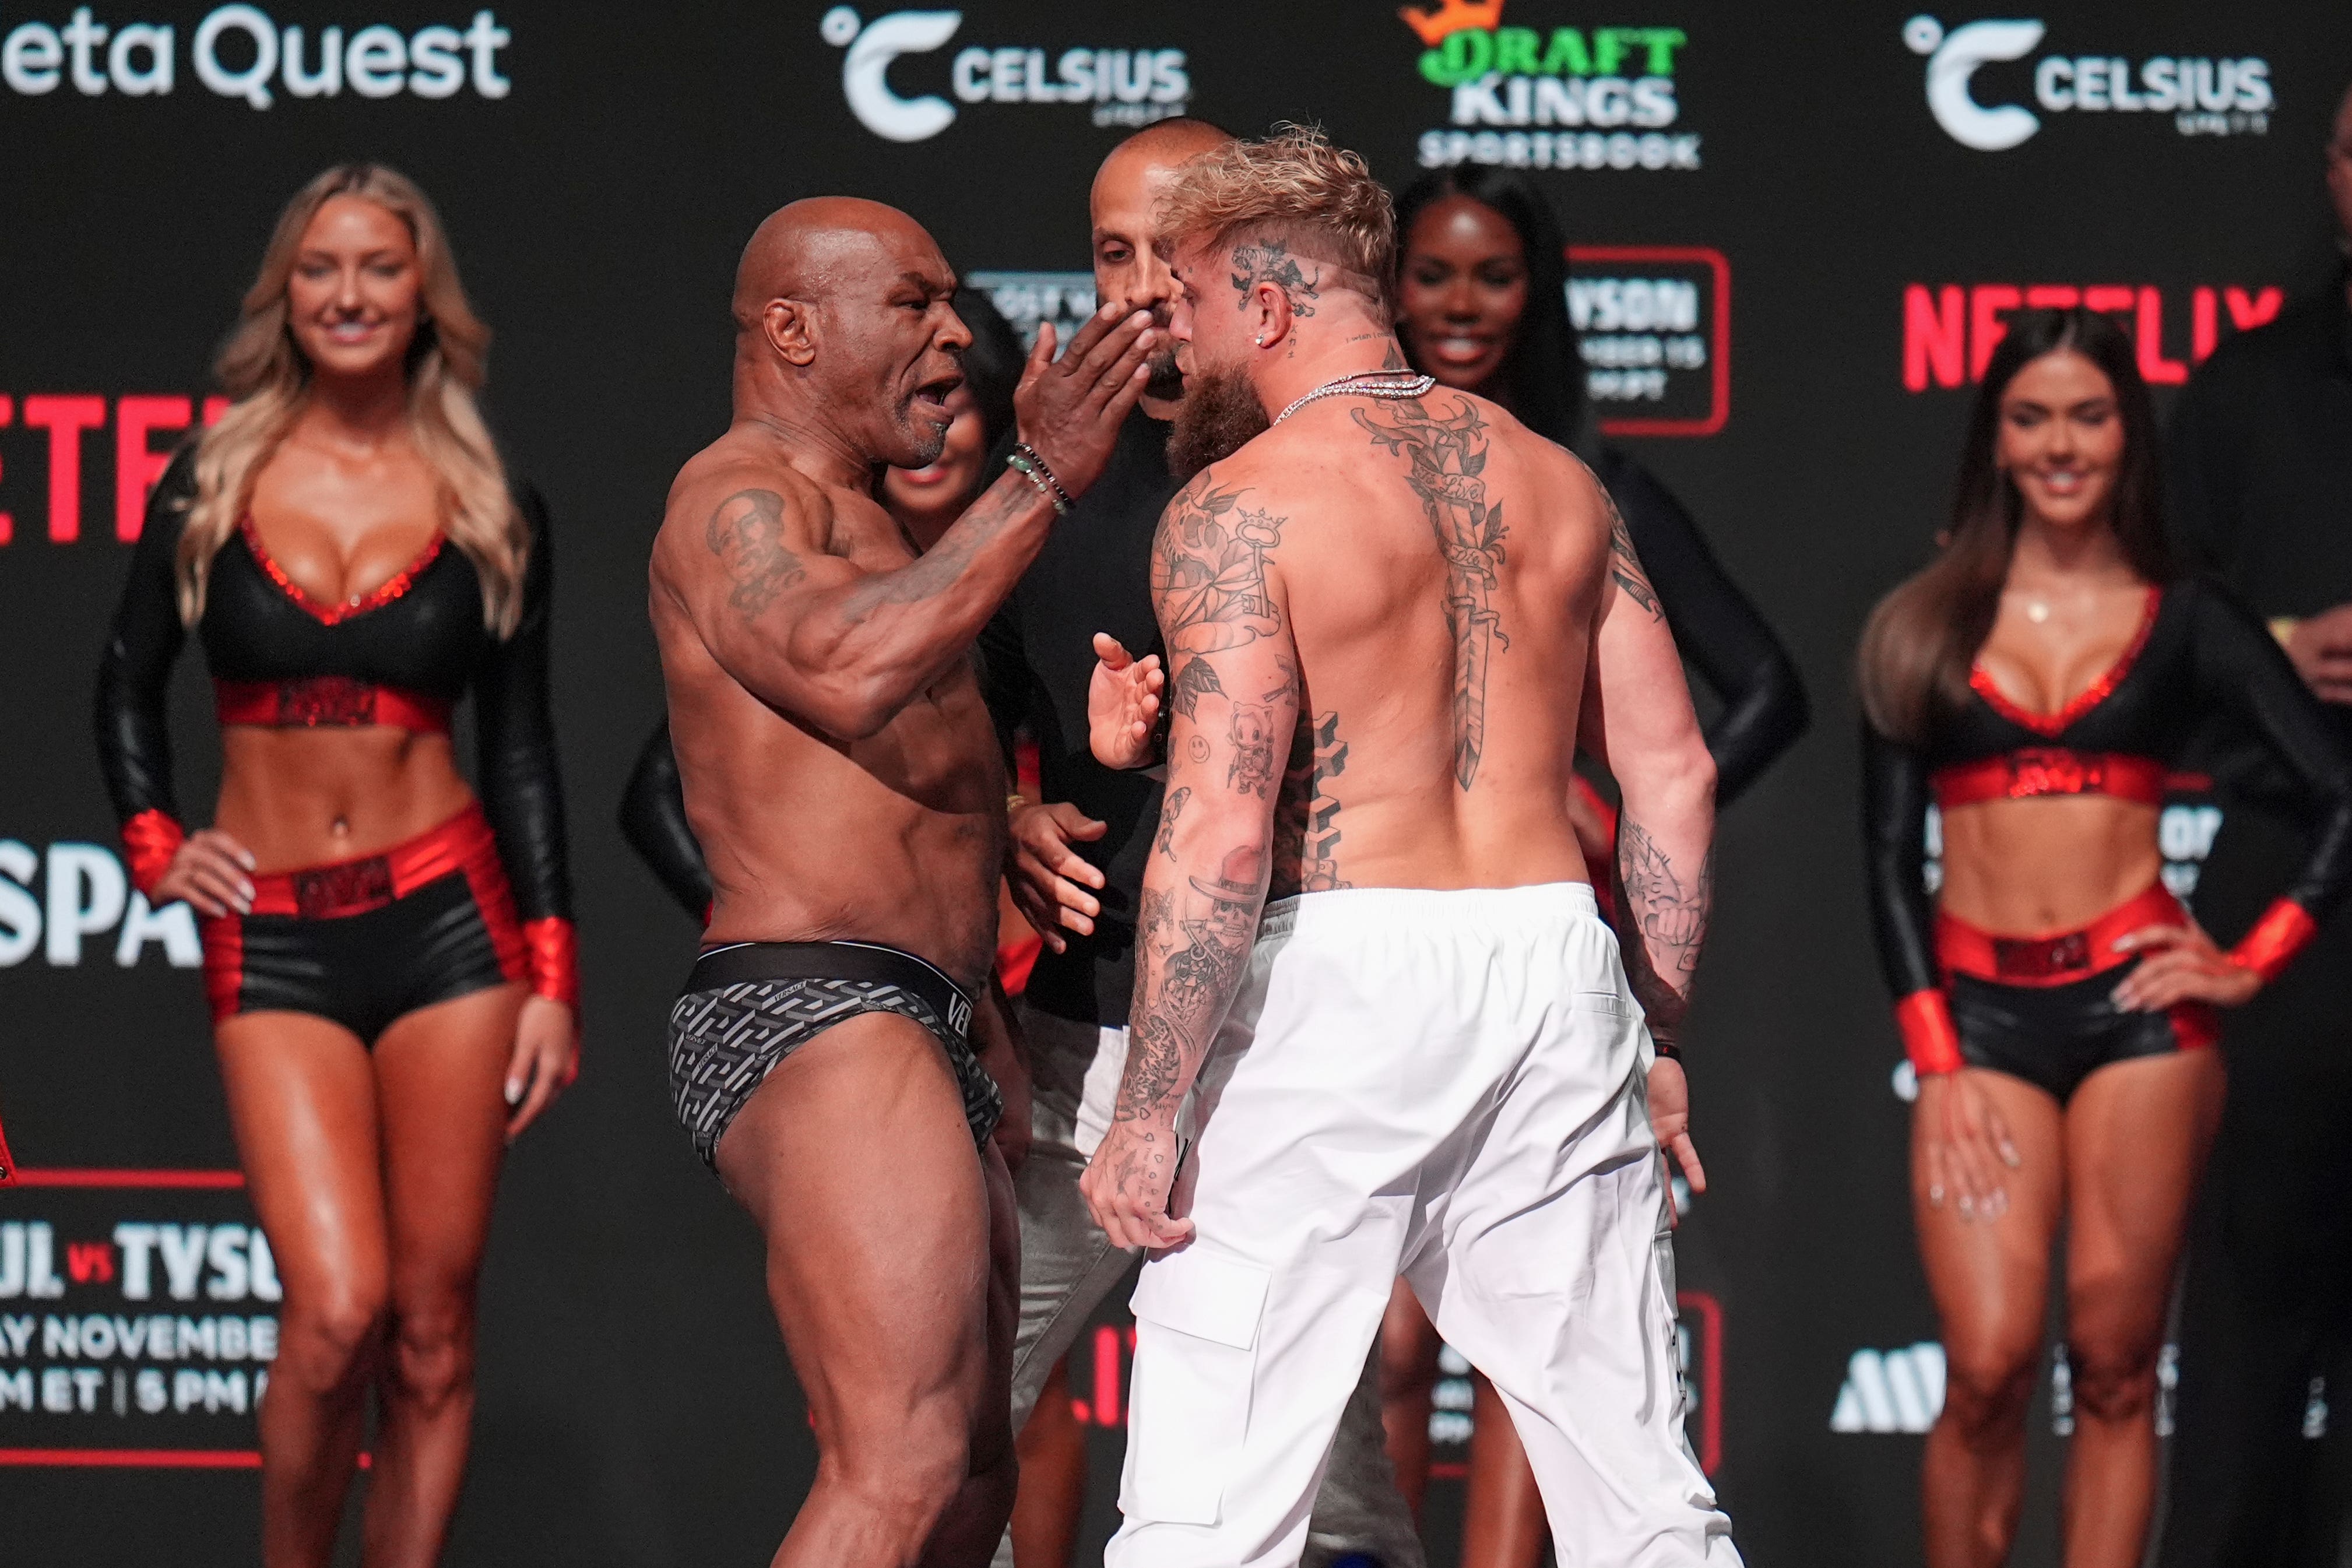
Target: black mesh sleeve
1895,848
1716,628
521,791
653,821
2243,671
134,672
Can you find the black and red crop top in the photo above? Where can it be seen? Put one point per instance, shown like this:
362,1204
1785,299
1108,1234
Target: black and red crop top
2198,658
401,656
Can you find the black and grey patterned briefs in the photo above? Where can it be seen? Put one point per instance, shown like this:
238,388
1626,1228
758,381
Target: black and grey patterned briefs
750,1005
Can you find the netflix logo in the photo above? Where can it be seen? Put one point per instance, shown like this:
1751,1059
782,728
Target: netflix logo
1951,330
75,423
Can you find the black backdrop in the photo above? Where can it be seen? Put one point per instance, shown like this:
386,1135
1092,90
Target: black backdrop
635,1407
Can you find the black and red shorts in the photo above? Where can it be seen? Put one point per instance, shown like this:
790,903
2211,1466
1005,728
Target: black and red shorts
362,943
2042,1007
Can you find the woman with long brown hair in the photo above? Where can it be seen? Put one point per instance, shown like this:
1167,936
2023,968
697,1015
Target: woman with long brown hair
389,960
2034,682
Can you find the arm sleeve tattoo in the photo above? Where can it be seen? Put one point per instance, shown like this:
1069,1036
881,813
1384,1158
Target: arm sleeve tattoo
1665,913
1234,698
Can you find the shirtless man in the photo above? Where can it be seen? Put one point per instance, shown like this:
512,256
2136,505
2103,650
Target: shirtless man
1078,857
1424,1056
820,1054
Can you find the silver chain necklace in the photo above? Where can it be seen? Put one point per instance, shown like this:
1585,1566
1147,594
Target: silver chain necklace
1364,384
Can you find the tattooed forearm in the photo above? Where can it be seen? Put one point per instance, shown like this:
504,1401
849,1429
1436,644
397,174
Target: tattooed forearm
1270,261
1445,456
746,532
1155,1061
1625,566
1166,842
1199,909
935,571
1666,911
1185,979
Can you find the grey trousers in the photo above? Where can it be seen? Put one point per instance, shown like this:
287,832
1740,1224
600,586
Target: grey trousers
1068,1266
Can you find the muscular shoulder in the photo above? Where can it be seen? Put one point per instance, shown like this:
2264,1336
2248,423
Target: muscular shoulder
1226,507
725,500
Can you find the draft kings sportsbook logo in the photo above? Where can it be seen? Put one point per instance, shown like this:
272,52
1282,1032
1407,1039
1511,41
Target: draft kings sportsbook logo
1551,97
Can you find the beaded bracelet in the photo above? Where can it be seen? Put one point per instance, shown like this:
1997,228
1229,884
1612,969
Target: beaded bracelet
1028,470
1023,449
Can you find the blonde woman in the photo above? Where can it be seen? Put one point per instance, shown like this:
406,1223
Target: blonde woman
388,960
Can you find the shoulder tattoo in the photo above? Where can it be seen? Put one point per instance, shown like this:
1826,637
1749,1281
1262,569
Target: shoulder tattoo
746,532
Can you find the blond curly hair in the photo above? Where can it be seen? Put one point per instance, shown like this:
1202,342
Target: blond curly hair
1317,200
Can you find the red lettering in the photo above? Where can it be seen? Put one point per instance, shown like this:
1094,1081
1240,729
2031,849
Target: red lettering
1932,341
1986,327
7,417
88,1260
2157,370
65,419
215,406
2253,312
136,466
1932,323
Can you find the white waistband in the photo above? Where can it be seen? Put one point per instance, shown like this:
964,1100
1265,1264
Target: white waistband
1346,909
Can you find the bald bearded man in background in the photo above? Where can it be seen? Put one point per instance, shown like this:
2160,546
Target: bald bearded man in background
820,1054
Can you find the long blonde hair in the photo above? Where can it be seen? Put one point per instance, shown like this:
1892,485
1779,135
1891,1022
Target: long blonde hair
268,381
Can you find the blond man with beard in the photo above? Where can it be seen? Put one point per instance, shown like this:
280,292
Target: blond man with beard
1077,866
1424,1056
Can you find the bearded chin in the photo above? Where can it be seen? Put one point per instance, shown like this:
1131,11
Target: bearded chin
1219,416
924,441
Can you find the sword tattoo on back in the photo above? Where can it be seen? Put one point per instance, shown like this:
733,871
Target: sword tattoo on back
1447,456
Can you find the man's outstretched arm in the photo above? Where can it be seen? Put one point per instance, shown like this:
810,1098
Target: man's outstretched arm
1637,719
1234,685
811,635
845,648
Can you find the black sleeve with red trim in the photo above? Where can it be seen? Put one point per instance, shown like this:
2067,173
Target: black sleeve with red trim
134,678
1894,846
653,821
521,790
2243,671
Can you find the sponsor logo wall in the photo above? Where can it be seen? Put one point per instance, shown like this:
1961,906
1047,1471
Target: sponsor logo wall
1888,188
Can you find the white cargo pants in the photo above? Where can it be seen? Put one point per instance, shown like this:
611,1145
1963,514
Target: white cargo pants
1447,1085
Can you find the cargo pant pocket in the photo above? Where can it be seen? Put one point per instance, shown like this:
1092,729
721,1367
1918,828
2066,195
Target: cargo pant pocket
1195,1361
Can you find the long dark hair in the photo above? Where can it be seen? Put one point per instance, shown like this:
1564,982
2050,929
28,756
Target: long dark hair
1919,643
1543,374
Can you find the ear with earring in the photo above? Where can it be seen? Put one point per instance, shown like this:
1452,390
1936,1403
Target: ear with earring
1260,339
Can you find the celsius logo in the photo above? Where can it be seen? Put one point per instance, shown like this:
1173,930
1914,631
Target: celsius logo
2206,97
1127,87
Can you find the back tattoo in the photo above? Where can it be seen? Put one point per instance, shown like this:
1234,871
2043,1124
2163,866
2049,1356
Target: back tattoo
1447,456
